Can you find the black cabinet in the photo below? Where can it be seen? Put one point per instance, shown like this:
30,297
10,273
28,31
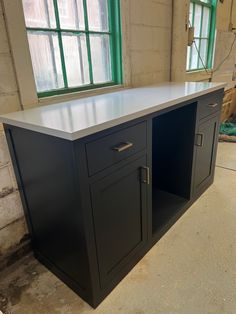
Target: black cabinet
119,213
93,209
205,155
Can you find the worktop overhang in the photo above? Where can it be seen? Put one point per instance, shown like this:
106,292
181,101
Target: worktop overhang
76,119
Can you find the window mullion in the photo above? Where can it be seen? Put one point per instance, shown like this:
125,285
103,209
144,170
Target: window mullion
60,44
211,34
45,29
191,48
200,41
111,40
79,43
88,41
51,41
207,4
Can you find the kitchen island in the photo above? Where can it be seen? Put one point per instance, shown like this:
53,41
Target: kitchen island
103,178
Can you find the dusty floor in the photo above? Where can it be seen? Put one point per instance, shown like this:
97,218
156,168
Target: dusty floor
192,269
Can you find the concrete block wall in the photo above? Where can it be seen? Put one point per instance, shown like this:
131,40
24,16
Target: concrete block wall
150,41
12,222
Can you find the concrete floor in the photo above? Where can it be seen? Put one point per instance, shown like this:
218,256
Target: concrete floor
192,269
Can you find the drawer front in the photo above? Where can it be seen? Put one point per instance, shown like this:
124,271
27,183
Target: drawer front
111,149
210,104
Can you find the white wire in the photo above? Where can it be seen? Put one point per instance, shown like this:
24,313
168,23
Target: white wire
200,57
226,57
221,63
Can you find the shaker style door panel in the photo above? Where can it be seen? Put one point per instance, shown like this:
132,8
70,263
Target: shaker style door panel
206,142
119,211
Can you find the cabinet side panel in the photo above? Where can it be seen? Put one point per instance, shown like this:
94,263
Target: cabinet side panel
46,177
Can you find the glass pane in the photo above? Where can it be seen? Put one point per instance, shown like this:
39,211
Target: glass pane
197,20
194,60
203,53
100,52
188,58
205,22
97,15
76,59
191,14
45,55
39,13
71,14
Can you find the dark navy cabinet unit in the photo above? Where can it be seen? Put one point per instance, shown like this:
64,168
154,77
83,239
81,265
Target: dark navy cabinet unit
94,206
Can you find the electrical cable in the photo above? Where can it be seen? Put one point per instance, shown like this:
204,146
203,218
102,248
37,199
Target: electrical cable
221,63
199,54
200,57
226,57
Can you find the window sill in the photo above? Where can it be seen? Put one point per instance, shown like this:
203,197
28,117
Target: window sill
198,75
81,94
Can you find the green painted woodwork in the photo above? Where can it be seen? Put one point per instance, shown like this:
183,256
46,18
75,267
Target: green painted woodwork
114,34
212,4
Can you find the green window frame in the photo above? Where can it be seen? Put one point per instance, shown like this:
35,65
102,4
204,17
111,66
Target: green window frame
114,33
204,58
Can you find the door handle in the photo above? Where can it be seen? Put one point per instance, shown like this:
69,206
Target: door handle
122,147
145,175
201,142
213,105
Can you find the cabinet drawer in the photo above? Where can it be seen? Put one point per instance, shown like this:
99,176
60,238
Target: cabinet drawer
110,149
209,104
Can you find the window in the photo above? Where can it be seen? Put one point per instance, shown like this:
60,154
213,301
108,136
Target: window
202,18
74,44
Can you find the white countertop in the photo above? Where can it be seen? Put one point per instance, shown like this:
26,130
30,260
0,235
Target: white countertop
78,118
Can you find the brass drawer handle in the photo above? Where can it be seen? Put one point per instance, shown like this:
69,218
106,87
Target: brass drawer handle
213,105
122,147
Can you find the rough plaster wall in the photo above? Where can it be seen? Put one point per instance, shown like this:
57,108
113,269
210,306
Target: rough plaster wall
12,223
150,41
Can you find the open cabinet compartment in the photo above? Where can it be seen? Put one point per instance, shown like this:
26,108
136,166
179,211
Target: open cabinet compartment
172,159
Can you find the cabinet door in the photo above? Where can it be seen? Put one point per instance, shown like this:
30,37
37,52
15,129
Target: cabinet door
119,212
206,145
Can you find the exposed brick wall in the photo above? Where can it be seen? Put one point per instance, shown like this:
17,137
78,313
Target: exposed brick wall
12,222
